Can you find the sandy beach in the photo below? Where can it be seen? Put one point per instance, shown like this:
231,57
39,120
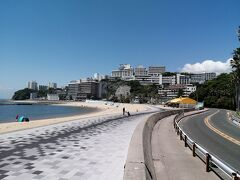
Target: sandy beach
103,109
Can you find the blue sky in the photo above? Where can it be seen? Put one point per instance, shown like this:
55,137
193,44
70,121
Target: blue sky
62,40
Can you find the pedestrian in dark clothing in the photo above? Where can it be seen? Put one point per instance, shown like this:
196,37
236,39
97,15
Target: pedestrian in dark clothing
123,110
17,117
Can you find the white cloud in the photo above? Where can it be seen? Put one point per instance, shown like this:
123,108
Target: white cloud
208,66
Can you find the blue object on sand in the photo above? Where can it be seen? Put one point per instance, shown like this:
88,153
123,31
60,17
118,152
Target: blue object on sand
20,119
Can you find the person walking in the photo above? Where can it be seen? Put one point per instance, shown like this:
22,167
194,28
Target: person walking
123,110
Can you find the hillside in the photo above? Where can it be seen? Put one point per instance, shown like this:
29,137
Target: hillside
217,93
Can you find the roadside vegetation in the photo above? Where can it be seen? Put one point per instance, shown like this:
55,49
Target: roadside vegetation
224,91
217,93
235,63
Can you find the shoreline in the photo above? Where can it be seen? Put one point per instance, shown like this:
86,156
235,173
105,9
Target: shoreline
103,109
77,111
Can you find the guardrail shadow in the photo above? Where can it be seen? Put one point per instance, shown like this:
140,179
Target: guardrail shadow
222,170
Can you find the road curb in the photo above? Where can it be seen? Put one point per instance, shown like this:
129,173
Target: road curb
139,164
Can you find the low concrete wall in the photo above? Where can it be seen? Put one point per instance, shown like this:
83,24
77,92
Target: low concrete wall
139,164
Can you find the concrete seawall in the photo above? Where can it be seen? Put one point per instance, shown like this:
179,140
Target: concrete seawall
139,164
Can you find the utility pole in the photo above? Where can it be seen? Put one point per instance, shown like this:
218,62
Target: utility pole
238,32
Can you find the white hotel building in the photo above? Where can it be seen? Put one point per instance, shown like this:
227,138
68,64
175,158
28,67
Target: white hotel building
140,73
170,85
33,85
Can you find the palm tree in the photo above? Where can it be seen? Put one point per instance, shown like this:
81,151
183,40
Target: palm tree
235,63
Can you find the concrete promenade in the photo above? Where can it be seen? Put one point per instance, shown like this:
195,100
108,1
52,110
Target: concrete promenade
171,159
67,151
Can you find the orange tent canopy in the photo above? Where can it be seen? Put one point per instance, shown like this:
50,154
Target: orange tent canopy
183,100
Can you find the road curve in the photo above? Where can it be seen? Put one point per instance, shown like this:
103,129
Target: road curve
215,133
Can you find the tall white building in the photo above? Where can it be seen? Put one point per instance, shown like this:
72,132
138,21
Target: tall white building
167,80
32,85
172,91
156,70
125,72
42,87
83,89
183,79
210,76
52,85
140,71
195,78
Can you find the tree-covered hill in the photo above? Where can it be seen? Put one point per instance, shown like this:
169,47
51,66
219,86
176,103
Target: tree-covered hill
217,93
143,92
22,94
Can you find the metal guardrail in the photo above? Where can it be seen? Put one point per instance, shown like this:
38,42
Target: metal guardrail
212,162
235,119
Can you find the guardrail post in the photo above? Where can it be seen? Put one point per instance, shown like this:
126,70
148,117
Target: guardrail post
207,162
194,150
234,176
185,140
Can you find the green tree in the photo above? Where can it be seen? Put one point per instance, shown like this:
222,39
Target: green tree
235,63
42,93
62,96
217,93
23,94
169,74
51,91
143,92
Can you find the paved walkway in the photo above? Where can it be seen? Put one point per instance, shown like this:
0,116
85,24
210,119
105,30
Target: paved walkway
171,159
71,150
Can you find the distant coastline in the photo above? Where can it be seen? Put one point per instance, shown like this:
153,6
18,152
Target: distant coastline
100,109
28,102
40,110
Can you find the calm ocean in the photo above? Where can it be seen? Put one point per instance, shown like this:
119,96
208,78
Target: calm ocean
8,112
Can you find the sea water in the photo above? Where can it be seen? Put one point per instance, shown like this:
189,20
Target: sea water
9,112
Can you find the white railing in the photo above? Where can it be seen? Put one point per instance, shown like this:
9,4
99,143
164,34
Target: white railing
235,119
210,160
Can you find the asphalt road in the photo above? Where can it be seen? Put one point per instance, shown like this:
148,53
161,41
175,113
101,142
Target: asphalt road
224,149
171,160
